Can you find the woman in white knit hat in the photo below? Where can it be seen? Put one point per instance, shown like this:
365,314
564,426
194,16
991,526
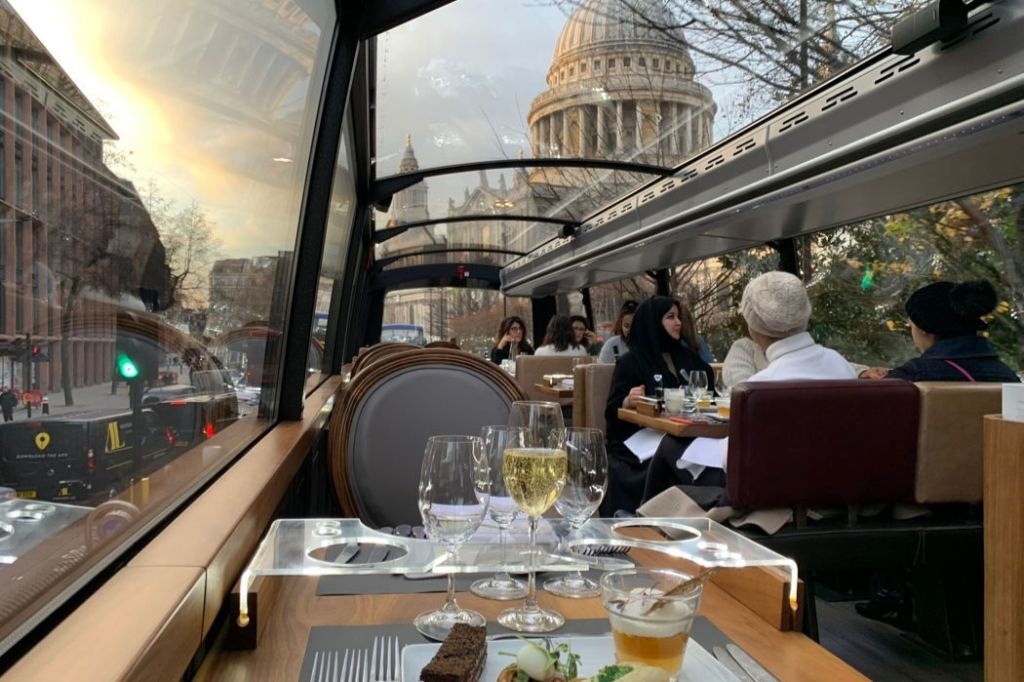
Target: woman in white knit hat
776,309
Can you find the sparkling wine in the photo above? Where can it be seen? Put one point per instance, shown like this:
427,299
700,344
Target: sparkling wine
534,477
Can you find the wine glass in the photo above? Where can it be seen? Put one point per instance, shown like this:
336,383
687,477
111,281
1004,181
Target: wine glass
586,482
502,510
534,476
722,387
454,493
698,384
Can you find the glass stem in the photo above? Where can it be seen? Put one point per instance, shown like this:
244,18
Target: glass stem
504,576
449,601
531,583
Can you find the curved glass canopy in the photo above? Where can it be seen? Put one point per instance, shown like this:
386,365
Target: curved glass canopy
646,82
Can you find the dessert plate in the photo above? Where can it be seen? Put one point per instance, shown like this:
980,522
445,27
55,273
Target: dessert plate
595,653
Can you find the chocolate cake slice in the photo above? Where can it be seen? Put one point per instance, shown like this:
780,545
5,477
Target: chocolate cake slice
461,656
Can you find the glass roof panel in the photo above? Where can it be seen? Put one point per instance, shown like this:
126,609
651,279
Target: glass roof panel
467,257
651,81
496,233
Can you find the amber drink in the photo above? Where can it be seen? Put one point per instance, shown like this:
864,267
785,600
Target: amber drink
650,617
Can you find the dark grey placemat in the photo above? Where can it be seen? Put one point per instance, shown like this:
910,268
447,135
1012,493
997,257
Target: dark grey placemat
338,637
334,585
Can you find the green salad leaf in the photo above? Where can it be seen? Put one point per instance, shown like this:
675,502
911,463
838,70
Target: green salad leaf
610,673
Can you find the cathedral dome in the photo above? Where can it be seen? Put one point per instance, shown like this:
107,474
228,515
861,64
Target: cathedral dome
601,23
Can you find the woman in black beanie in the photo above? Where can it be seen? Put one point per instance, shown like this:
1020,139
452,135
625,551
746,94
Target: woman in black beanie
945,319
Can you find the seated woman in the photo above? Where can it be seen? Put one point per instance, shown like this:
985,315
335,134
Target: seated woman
691,338
583,335
654,349
559,339
945,319
776,309
615,347
511,340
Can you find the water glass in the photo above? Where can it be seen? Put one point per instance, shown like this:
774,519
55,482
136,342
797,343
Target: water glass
586,482
675,399
502,510
454,493
698,384
534,477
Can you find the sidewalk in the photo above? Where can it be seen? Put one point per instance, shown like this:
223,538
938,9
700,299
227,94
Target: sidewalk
95,397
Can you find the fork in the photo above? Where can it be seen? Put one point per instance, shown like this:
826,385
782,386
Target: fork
384,660
353,670
325,666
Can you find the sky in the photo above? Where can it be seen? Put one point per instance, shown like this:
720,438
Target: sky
459,80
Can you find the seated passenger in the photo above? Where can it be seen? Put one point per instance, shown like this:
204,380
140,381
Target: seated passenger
511,340
559,339
744,359
776,309
691,338
615,347
584,336
945,319
654,349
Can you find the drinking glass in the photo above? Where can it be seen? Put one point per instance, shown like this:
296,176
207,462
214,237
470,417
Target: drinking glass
650,622
502,510
454,493
586,482
534,476
698,384
722,387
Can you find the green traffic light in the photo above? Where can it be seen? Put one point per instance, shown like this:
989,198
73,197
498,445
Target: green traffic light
125,367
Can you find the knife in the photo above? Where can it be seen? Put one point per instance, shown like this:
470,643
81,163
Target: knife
378,554
346,554
753,668
730,664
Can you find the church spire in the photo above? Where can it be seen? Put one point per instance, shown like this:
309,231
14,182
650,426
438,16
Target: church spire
409,163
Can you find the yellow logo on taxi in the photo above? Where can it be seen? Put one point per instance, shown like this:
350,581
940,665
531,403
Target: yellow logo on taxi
114,442
42,440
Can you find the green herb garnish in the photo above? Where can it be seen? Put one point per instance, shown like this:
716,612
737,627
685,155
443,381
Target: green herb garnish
610,673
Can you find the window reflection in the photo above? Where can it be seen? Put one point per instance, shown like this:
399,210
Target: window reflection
152,160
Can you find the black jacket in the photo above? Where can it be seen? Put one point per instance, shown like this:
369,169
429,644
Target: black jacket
499,354
629,372
974,354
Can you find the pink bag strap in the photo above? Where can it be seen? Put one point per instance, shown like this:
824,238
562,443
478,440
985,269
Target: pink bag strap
962,371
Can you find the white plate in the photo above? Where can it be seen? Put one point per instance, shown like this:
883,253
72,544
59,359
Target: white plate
595,653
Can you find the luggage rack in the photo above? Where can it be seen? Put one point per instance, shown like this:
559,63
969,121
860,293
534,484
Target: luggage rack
304,546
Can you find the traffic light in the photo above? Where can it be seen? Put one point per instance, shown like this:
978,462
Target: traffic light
126,367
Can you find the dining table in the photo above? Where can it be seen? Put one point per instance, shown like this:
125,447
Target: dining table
680,427
736,606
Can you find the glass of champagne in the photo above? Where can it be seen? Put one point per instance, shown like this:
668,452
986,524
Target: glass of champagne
534,476
502,510
454,492
586,482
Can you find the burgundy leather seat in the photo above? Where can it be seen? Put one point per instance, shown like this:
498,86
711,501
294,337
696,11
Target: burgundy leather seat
821,443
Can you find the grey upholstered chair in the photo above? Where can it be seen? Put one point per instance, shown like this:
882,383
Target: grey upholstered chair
389,410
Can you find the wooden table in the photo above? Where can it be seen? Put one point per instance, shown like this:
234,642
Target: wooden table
554,391
296,609
665,425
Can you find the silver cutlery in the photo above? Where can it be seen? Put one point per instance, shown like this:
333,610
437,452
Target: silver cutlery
378,554
731,665
384,660
355,669
347,553
325,666
753,668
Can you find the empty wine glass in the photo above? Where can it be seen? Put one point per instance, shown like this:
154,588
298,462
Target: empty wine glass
698,384
534,476
502,510
722,387
586,481
454,494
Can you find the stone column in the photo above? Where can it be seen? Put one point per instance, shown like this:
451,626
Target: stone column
552,142
583,111
620,128
689,132
599,111
563,147
700,129
673,138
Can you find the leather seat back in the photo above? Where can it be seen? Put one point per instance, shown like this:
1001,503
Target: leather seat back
949,441
591,385
390,409
530,370
822,443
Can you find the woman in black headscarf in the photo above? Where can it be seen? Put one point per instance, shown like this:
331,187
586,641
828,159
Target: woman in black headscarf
654,349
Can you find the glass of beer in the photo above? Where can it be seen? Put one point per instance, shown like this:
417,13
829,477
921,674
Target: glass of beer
650,615
534,474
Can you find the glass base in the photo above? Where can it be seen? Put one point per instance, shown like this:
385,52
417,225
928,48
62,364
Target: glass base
573,587
531,620
437,624
499,588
